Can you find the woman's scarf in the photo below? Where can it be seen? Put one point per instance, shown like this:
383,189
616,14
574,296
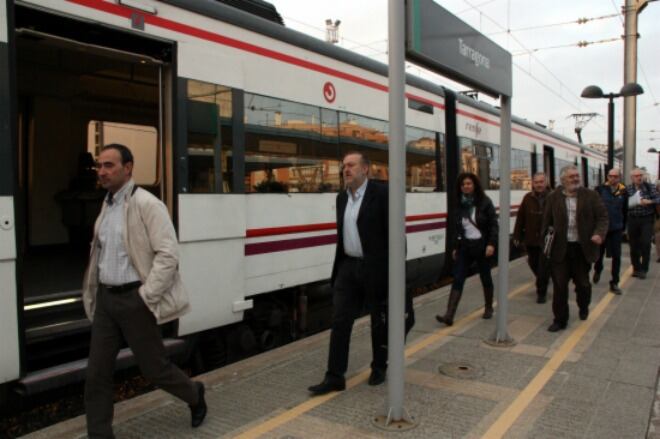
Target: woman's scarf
466,205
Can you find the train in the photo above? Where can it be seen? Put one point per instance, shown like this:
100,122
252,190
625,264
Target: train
238,124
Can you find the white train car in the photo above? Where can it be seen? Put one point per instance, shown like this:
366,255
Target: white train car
239,125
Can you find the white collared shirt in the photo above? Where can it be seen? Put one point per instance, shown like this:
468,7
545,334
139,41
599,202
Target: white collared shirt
571,211
115,267
351,238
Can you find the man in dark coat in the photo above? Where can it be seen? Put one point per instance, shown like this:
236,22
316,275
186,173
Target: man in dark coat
528,231
615,198
360,273
579,220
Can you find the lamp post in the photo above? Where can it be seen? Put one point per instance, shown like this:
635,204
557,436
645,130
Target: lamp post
595,92
655,151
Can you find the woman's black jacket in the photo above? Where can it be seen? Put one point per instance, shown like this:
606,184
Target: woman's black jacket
486,220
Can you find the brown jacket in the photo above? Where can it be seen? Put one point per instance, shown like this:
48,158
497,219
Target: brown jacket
591,220
151,244
530,220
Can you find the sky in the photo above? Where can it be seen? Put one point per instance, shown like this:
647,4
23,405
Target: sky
547,82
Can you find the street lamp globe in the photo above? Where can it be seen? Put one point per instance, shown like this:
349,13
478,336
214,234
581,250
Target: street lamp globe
592,92
631,89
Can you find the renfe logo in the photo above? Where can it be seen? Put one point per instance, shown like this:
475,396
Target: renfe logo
476,57
329,92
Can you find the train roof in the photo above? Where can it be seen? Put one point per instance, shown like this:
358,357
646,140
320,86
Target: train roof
487,108
246,14
259,8
246,20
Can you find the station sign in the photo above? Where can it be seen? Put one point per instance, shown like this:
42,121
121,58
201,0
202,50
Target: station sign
439,41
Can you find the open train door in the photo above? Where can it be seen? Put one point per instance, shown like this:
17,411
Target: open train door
585,172
79,85
9,323
549,165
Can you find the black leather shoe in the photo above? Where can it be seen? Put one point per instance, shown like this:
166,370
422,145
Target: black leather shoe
556,327
614,288
198,411
377,377
596,277
635,273
641,274
328,385
584,314
445,320
540,299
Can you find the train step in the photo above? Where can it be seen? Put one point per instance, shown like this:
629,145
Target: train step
73,372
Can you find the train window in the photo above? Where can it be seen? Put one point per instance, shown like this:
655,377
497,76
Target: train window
594,177
420,106
421,171
141,139
289,147
521,170
482,160
209,137
329,125
363,130
369,136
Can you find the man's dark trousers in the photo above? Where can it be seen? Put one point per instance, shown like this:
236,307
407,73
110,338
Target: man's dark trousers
613,247
640,230
573,266
539,265
350,296
125,316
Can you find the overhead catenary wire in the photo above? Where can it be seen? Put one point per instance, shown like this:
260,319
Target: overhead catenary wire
580,104
579,44
579,21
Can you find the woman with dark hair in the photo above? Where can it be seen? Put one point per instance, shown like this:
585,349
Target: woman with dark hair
476,225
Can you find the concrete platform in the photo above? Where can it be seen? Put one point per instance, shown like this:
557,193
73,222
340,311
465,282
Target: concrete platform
596,379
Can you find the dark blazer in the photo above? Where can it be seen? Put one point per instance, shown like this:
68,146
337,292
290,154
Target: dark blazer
486,220
591,220
616,204
372,225
530,219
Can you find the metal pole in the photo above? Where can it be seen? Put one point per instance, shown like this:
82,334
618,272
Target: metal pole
610,134
629,75
501,336
397,210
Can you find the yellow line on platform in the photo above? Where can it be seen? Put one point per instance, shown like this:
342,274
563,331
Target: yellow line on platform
362,376
527,395
439,334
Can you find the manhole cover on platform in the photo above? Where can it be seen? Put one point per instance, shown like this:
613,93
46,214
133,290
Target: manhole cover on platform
462,370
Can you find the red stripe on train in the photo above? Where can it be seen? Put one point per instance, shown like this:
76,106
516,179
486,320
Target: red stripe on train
258,248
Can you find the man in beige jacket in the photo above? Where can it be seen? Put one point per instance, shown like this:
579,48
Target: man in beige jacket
131,286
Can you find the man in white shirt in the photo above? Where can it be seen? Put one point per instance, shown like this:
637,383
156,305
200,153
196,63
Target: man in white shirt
131,285
359,274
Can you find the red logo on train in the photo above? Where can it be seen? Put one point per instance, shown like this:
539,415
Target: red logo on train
329,92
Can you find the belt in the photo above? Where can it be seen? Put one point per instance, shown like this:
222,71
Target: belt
121,288
354,258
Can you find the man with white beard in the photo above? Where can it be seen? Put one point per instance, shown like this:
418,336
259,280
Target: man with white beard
579,219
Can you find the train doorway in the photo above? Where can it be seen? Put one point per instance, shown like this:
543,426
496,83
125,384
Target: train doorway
78,88
549,165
